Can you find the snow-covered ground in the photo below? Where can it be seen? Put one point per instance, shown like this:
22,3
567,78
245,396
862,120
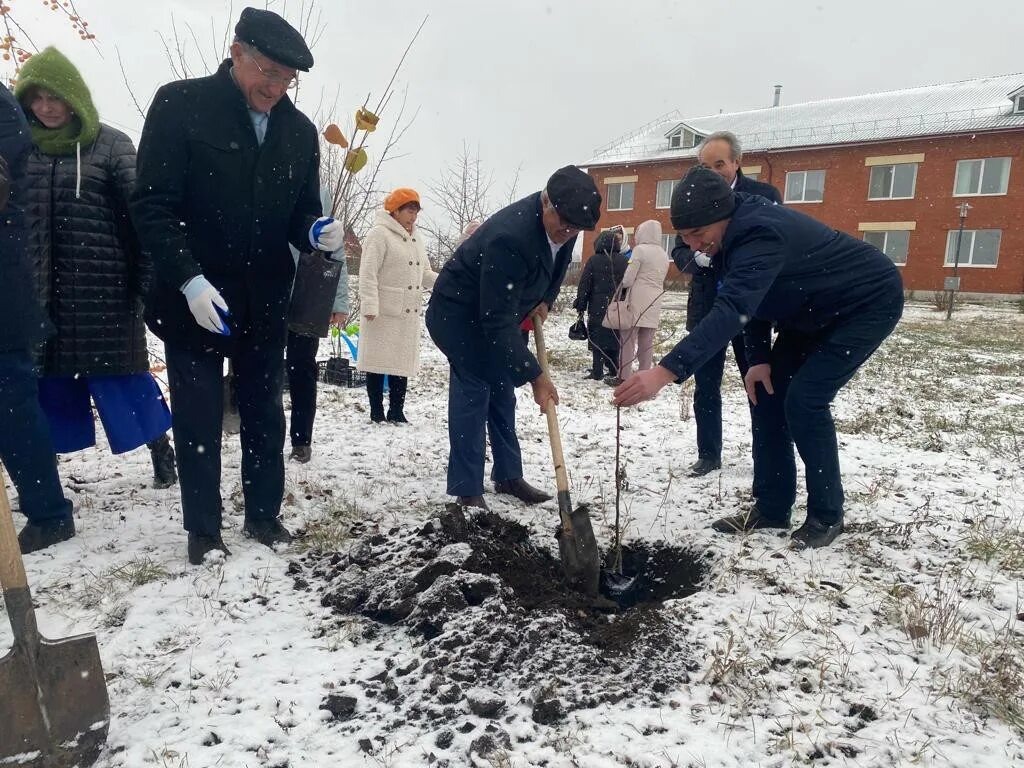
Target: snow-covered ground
901,644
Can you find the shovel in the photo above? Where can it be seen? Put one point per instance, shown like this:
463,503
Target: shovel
576,543
54,711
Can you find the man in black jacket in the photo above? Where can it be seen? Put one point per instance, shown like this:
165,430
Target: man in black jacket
228,176
511,267
25,445
833,298
722,153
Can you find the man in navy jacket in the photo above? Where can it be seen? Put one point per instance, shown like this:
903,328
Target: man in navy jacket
833,299
722,153
511,267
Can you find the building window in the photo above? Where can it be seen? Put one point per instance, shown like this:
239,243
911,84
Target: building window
892,182
668,242
982,177
753,175
1018,104
620,196
893,243
663,199
805,186
979,247
684,138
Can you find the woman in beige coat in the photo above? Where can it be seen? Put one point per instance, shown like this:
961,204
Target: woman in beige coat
393,272
645,283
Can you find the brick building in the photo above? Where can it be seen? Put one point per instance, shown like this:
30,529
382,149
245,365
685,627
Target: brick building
890,167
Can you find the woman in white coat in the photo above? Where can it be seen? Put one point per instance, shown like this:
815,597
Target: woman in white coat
393,272
645,282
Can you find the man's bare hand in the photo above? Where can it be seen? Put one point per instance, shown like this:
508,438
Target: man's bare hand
541,311
339,319
642,386
544,391
758,374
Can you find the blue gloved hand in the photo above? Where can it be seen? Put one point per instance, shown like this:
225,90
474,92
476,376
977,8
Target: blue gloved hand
207,305
327,234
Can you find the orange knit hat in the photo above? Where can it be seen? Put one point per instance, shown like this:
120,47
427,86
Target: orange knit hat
401,196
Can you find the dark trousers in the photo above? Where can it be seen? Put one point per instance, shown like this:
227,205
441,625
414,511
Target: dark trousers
807,372
26,449
300,362
605,359
197,400
478,408
707,400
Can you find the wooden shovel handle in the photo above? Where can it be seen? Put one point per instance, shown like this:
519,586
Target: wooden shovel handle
554,435
12,569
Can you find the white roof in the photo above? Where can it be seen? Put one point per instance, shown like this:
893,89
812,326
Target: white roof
963,107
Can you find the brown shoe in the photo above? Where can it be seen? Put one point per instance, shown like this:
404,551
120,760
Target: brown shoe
472,501
522,490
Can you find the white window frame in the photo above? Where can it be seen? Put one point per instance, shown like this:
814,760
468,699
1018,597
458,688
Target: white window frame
981,176
1018,104
671,189
885,243
620,184
967,248
668,242
803,189
892,182
676,139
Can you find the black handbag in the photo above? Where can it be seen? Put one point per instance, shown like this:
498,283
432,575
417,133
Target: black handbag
316,283
578,331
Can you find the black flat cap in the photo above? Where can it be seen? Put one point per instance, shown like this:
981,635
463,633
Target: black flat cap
574,195
274,37
701,198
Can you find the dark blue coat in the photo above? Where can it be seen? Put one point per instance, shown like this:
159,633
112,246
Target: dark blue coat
785,268
488,287
22,320
704,285
211,200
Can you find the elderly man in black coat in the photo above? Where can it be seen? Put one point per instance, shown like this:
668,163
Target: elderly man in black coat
228,176
511,267
722,153
25,445
833,299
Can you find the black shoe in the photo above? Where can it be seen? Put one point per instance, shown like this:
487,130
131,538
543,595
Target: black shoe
397,417
522,490
748,521
612,381
35,537
702,467
267,532
377,417
472,501
162,453
595,375
301,453
200,546
814,533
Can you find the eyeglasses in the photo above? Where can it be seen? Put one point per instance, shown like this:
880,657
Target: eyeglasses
290,83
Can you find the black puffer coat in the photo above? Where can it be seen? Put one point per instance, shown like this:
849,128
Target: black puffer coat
90,274
600,277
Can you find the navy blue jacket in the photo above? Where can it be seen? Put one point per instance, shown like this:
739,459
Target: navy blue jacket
488,287
785,268
704,285
22,320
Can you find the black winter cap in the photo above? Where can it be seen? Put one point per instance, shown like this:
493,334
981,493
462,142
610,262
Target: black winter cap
274,37
701,198
574,195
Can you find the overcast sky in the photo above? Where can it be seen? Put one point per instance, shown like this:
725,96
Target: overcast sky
542,84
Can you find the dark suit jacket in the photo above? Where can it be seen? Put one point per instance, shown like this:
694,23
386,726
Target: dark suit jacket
490,285
209,199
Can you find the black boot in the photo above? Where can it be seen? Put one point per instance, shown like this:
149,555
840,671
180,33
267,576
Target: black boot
35,537
749,521
597,368
814,533
164,473
522,490
267,532
702,467
200,546
375,392
396,399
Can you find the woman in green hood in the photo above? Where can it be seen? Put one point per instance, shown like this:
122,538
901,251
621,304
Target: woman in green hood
90,273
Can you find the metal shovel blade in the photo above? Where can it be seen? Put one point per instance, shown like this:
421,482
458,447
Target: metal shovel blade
54,710
577,546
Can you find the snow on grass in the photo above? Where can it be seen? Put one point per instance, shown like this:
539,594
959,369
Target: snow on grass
901,644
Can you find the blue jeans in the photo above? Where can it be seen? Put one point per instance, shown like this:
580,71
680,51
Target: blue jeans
807,373
25,445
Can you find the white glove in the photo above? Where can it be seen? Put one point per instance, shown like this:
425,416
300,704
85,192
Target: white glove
701,259
327,234
207,305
